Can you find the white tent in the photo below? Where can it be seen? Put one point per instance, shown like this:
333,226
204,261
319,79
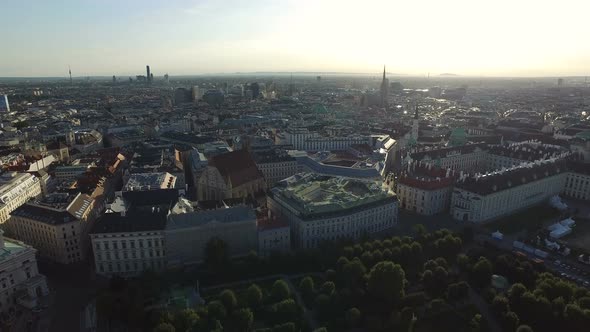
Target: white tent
497,235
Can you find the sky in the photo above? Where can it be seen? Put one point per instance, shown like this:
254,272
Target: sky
188,37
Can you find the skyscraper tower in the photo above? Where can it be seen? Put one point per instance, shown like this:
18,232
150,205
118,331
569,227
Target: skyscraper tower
415,125
70,70
384,88
148,76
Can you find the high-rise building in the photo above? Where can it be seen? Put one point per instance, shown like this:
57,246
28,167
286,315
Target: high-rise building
255,87
384,88
114,79
148,76
4,106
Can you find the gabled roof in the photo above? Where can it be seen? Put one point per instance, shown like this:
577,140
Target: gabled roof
237,167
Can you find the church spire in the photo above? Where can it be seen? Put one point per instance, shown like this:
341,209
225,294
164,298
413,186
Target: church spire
383,90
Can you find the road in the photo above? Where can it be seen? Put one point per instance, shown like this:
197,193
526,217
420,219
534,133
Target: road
484,310
72,288
568,267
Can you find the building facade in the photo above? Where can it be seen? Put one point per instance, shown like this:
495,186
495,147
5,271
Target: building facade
483,198
274,235
187,233
128,252
577,182
15,190
425,190
20,281
275,165
230,175
57,226
319,208
129,238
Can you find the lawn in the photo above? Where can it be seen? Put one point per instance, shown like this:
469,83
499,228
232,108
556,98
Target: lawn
530,220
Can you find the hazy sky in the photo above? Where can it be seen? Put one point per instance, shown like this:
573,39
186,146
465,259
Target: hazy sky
468,37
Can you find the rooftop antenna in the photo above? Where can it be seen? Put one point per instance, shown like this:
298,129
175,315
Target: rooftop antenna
70,71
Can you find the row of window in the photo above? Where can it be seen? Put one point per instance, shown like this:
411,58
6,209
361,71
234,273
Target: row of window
142,254
129,267
131,243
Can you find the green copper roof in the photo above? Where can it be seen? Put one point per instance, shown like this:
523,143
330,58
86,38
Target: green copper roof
320,109
584,135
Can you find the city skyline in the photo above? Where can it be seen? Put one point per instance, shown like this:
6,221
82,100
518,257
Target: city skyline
528,38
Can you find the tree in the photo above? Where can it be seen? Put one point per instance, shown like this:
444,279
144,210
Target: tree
185,319
353,272
457,291
164,327
584,302
328,288
475,325
524,328
448,246
367,258
509,321
254,296
341,262
286,310
306,286
242,319
216,253
216,310
228,298
387,282
285,327
322,304
419,229
500,305
321,329
353,317
463,262
377,255
515,292
348,252
280,290
482,272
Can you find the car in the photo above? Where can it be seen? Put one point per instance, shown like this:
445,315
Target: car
586,284
557,262
567,267
37,310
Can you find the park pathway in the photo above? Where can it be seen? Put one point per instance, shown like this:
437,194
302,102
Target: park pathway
484,309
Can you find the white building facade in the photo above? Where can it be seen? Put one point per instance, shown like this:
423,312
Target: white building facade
20,281
332,210
488,197
15,190
128,253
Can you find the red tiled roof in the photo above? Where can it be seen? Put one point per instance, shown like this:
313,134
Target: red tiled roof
237,166
427,178
265,223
